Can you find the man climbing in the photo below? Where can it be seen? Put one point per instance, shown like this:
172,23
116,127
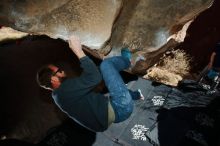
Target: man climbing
76,96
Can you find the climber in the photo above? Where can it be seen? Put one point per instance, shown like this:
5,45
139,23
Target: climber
75,95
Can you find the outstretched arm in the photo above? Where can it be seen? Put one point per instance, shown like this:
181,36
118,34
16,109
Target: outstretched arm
76,47
90,75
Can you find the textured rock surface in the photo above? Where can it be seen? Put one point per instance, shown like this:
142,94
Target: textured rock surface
143,24
148,23
7,33
91,20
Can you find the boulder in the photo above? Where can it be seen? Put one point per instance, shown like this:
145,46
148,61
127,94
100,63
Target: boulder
91,20
151,27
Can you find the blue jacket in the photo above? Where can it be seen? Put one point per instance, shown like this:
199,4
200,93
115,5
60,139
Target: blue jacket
77,99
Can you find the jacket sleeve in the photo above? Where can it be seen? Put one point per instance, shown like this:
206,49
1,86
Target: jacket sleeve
90,75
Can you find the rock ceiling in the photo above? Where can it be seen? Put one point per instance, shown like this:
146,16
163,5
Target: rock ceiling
90,20
146,23
104,25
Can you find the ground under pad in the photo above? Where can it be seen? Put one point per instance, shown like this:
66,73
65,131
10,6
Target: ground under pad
167,117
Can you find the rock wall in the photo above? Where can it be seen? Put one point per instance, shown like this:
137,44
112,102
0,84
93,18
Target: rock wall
108,25
147,24
90,20
143,23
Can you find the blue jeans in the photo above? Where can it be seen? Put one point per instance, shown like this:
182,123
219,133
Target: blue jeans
120,96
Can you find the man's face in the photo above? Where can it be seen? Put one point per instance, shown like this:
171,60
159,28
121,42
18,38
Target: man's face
57,72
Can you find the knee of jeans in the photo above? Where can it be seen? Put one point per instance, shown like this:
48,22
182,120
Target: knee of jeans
127,111
128,103
130,108
126,98
123,113
131,103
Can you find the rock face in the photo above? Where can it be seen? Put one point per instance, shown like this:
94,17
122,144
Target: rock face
143,23
90,20
108,25
149,23
9,33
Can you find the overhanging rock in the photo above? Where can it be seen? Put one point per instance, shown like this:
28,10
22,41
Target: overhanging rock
90,20
142,23
108,25
147,24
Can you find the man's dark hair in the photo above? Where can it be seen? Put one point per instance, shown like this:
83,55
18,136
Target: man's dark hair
44,77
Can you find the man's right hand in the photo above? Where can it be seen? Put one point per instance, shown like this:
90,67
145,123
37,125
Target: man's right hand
75,46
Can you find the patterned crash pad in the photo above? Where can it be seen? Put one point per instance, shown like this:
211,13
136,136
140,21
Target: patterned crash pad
165,117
